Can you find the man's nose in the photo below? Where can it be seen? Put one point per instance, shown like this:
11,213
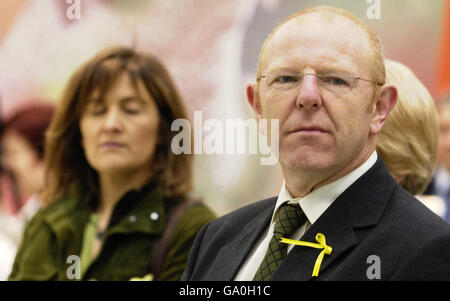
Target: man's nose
309,95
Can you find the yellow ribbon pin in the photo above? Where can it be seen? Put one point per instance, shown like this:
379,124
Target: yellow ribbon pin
322,244
148,277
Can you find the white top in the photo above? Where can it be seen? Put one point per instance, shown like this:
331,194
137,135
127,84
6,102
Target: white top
442,181
313,205
8,252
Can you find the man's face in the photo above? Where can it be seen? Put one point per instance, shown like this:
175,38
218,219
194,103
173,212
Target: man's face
444,136
321,128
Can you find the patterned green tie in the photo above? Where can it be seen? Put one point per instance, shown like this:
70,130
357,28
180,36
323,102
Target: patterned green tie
290,218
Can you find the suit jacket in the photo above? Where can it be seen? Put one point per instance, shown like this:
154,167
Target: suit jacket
374,216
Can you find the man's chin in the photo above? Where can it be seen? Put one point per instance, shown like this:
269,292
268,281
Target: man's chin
307,158
306,163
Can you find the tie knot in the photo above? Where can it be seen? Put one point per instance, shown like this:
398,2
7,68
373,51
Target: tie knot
290,218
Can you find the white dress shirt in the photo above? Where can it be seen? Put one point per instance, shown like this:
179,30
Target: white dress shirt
313,205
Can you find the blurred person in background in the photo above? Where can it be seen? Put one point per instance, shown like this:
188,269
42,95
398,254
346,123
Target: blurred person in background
113,186
440,185
408,142
22,142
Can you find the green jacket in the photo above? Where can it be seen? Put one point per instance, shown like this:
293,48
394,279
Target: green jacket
56,232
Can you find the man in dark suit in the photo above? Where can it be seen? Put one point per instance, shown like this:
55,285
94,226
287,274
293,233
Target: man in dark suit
339,214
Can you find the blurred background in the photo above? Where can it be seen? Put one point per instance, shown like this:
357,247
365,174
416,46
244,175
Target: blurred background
211,48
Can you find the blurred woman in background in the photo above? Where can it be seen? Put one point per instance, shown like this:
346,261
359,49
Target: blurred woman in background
408,143
113,185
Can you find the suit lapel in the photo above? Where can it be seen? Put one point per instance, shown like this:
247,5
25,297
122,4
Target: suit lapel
235,252
361,205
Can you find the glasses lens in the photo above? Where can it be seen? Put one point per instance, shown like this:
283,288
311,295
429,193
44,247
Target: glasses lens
332,82
283,81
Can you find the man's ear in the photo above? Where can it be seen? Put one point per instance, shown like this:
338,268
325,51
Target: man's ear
253,99
386,98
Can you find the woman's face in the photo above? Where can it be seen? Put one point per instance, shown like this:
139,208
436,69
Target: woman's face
120,132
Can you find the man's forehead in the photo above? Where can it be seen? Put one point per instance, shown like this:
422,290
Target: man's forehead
320,63
320,35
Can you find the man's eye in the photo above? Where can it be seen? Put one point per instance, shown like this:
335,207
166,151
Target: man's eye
286,79
333,80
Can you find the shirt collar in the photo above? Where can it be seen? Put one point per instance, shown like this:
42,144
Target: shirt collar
317,201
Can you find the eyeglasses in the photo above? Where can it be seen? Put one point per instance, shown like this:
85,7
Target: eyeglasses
335,83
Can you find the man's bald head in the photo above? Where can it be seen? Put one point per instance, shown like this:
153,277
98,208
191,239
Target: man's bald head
375,55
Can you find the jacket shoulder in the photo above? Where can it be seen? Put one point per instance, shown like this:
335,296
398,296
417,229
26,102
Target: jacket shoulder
58,209
35,258
219,232
420,237
431,262
194,218
415,217
182,240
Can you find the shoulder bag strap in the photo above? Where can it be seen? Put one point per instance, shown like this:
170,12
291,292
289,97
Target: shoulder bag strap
161,247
